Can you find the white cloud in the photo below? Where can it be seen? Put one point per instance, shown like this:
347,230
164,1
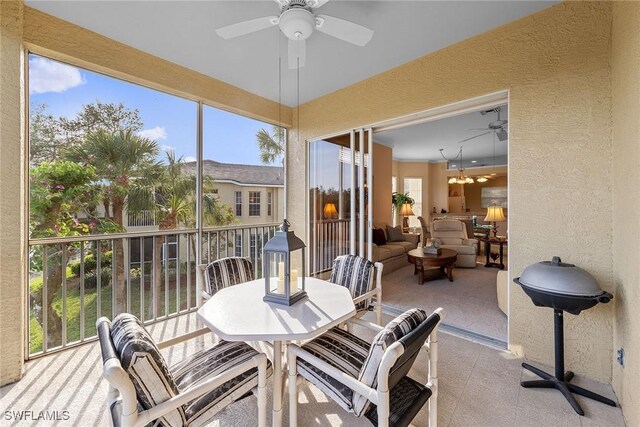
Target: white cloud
155,134
50,76
188,159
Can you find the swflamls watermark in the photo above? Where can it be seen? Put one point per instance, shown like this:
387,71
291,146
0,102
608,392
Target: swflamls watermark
36,415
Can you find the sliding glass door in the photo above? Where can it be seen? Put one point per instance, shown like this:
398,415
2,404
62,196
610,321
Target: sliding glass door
339,199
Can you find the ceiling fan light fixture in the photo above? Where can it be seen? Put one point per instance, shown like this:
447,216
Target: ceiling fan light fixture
297,23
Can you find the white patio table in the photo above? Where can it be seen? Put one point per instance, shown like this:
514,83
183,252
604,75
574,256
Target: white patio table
238,313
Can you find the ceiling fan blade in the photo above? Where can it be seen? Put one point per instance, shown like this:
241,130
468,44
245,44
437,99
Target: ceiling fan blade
315,4
297,53
344,30
247,27
473,137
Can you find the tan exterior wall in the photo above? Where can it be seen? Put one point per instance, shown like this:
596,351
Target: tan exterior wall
381,184
12,203
48,35
556,66
226,192
626,203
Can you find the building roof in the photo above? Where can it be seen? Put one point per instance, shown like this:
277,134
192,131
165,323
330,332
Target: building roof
240,174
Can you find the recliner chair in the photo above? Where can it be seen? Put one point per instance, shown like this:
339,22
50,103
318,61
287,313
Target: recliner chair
452,234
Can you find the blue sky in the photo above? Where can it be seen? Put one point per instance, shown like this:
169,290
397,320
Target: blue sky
170,120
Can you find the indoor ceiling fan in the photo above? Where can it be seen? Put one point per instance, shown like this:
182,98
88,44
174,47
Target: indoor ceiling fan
498,126
297,21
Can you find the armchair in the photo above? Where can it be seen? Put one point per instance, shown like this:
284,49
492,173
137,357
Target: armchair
222,273
371,379
143,388
356,274
452,234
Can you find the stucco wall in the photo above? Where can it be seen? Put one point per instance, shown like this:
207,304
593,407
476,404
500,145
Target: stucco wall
12,209
626,203
49,35
555,65
382,183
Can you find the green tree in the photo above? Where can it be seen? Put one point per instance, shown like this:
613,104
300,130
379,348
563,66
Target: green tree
59,190
271,145
172,196
50,136
127,167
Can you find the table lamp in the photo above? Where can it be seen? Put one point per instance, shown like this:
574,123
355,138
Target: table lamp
494,214
405,211
330,211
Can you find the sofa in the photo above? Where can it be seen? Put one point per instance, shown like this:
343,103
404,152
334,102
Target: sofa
393,255
452,234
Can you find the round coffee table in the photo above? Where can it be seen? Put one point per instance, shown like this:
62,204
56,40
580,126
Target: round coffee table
445,261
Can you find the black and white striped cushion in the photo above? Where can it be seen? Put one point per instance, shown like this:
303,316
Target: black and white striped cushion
227,272
354,273
396,329
209,363
342,350
141,359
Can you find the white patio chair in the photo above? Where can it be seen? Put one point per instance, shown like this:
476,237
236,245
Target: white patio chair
143,388
356,274
371,379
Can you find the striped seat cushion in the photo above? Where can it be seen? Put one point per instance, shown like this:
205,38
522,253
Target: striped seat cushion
396,329
147,369
209,363
354,273
342,350
227,272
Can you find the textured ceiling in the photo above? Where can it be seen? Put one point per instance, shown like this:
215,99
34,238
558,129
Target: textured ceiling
183,32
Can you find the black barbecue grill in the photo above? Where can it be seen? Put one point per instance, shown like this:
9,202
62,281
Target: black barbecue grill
563,287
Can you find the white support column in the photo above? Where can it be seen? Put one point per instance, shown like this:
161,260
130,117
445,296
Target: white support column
370,196
361,192
352,219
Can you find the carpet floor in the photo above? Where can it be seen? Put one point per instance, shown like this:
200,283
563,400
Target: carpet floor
470,301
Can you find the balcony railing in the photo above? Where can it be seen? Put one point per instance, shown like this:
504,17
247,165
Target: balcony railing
328,239
153,275
143,218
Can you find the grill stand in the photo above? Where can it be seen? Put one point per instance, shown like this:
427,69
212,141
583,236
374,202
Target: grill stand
561,381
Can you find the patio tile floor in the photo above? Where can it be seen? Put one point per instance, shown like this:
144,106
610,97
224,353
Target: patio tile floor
479,386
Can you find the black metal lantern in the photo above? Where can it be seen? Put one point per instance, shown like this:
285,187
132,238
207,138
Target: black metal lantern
282,284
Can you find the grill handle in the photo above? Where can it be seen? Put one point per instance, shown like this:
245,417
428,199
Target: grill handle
605,297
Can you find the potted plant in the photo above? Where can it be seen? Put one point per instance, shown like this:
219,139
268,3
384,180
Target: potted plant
399,199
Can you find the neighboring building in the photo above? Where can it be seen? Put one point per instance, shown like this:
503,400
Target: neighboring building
255,194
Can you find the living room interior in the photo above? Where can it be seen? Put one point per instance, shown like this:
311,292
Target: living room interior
571,74
452,168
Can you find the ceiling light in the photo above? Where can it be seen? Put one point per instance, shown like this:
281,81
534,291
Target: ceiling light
453,166
482,179
461,178
474,161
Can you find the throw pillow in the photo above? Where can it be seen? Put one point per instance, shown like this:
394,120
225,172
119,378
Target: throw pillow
394,234
379,237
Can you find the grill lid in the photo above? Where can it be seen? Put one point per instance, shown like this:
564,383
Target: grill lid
560,278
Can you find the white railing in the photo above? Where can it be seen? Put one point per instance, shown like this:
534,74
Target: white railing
143,218
152,274
329,239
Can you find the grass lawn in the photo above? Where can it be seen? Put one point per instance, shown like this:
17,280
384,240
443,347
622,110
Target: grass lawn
91,312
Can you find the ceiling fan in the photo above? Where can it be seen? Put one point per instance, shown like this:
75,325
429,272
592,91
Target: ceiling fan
498,126
297,21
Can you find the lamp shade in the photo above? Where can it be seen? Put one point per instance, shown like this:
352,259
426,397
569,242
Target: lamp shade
406,210
494,213
330,210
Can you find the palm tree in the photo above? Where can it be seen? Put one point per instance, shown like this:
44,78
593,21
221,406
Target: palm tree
127,165
172,198
271,145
